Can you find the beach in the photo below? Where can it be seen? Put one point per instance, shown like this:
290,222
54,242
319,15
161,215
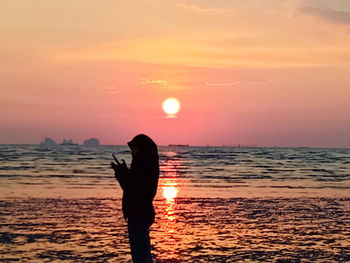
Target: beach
214,204
245,102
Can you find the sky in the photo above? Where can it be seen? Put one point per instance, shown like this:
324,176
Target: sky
262,73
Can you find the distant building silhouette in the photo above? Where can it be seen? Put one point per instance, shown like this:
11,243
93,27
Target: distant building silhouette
48,142
91,142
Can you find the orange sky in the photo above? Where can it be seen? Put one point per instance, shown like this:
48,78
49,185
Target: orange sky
267,73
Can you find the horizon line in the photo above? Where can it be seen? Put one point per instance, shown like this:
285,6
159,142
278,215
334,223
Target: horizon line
189,145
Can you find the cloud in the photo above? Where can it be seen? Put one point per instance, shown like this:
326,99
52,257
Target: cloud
341,16
205,9
153,81
112,90
243,83
223,83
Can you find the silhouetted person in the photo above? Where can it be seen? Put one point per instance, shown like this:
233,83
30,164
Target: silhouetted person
139,184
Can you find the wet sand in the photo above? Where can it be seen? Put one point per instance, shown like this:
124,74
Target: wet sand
186,230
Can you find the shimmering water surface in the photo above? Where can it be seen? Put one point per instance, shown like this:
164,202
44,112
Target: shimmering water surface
214,204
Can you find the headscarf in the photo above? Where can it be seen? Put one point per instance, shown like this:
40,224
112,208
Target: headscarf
147,158
144,175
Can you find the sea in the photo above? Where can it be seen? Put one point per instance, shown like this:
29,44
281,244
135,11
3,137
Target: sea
213,204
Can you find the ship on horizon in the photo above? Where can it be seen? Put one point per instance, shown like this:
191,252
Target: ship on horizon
67,142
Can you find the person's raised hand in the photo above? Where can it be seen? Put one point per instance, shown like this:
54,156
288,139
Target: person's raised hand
124,164
114,166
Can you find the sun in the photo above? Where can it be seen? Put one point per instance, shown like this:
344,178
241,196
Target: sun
171,106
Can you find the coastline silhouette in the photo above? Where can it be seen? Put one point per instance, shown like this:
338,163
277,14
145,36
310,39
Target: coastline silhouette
139,185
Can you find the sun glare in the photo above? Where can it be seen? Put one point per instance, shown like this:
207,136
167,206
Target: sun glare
169,192
171,106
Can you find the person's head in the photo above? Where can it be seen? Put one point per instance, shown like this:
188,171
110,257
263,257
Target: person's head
134,150
142,146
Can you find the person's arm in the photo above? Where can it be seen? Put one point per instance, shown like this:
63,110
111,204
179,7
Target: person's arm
122,176
121,172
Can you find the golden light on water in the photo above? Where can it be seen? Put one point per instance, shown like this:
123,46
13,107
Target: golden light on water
170,189
169,192
171,106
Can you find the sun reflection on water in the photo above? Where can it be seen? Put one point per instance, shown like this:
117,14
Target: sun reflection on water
170,190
